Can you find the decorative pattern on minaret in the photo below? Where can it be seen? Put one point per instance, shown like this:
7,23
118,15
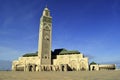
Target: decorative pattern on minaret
44,43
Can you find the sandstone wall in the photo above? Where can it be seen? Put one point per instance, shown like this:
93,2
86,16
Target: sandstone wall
22,62
74,61
102,67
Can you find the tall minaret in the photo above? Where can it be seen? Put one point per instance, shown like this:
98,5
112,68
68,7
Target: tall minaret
44,43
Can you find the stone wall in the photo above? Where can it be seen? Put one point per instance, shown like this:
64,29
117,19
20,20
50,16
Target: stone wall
22,63
97,67
107,67
75,61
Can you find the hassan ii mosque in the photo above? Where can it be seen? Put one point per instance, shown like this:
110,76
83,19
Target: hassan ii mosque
57,60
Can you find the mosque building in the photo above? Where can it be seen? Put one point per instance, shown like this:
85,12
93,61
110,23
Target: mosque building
57,60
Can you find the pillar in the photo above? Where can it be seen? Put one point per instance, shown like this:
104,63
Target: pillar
60,67
65,67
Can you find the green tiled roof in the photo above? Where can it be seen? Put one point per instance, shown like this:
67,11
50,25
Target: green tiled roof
64,51
69,52
61,51
30,54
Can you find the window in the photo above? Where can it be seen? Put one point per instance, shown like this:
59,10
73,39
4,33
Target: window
45,57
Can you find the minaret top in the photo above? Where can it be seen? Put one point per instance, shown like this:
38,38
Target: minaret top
46,12
46,7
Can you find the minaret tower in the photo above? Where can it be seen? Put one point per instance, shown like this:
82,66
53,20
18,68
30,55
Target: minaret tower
44,43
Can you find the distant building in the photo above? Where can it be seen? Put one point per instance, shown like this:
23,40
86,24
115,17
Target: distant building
45,59
98,67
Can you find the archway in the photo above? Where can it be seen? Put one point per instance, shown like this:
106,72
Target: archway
82,65
73,65
93,68
19,67
30,68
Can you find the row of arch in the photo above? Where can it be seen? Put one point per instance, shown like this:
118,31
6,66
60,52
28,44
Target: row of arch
103,67
81,65
34,67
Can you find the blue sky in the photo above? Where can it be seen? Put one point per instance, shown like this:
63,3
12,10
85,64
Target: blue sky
90,26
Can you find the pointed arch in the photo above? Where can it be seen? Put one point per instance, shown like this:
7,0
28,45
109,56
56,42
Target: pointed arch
82,65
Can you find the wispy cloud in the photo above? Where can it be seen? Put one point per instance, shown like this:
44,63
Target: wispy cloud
7,53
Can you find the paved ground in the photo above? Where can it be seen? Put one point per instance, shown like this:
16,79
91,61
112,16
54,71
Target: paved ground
81,75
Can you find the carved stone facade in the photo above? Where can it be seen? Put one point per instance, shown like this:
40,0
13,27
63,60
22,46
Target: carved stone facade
74,62
44,42
68,62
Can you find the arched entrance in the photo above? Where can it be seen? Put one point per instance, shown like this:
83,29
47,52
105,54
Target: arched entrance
30,68
82,65
73,65
19,67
